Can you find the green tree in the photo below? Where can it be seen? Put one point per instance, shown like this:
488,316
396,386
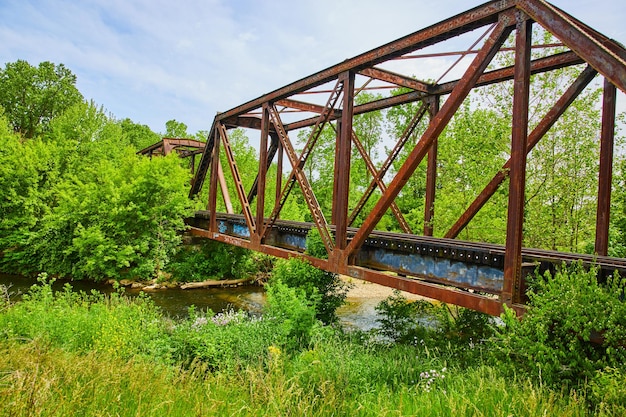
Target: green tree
33,96
410,201
175,129
79,202
27,170
368,127
472,149
139,136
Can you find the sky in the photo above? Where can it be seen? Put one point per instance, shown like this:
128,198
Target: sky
157,60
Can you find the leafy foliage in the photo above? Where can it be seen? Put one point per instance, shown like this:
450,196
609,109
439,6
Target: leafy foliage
33,96
325,290
82,322
212,259
554,340
457,330
77,201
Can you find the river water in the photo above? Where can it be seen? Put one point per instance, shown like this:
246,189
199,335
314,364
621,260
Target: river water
358,313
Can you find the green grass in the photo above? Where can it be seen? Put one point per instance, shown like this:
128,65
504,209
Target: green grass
38,380
78,355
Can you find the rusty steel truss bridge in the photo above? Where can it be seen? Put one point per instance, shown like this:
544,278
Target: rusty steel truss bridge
479,276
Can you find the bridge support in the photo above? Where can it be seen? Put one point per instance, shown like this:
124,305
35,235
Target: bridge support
343,153
517,185
606,169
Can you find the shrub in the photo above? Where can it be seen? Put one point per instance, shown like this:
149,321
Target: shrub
293,312
455,329
325,290
212,259
554,340
404,321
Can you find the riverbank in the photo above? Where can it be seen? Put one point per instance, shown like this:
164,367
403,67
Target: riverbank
63,353
361,289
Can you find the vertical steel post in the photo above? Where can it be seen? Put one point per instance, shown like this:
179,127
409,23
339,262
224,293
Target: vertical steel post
519,137
605,177
431,174
260,200
279,172
337,168
342,163
215,163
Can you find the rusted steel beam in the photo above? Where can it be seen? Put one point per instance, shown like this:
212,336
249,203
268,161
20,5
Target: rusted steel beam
535,136
166,145
198,180
448,295
408,131
321,120
262,175
247,121
267,249
376,177
397,79
585,43
343,151
519,136
485,304
605,176
247,211
224,187
308,107
298,174
279,174
439,122
462,23
213,159
539,65
610,44
337,128
431,174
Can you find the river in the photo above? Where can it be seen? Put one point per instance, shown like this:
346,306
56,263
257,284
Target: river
358,312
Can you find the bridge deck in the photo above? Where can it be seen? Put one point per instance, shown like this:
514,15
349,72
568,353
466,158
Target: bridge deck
467,273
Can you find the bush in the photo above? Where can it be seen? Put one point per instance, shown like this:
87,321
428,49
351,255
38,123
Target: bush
404,321
80,322
325,290
212,259
453,329
293,313
554,340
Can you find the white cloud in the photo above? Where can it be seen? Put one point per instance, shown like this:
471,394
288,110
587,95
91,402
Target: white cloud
153,61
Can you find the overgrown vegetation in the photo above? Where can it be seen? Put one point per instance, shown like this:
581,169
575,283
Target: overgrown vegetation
76,201
215,260
575,328
65,353
325,291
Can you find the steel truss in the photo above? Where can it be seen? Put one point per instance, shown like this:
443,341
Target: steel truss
278,114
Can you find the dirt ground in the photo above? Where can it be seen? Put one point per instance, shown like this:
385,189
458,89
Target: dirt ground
364,289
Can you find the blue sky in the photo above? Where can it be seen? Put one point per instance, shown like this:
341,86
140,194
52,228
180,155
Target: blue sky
156,60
